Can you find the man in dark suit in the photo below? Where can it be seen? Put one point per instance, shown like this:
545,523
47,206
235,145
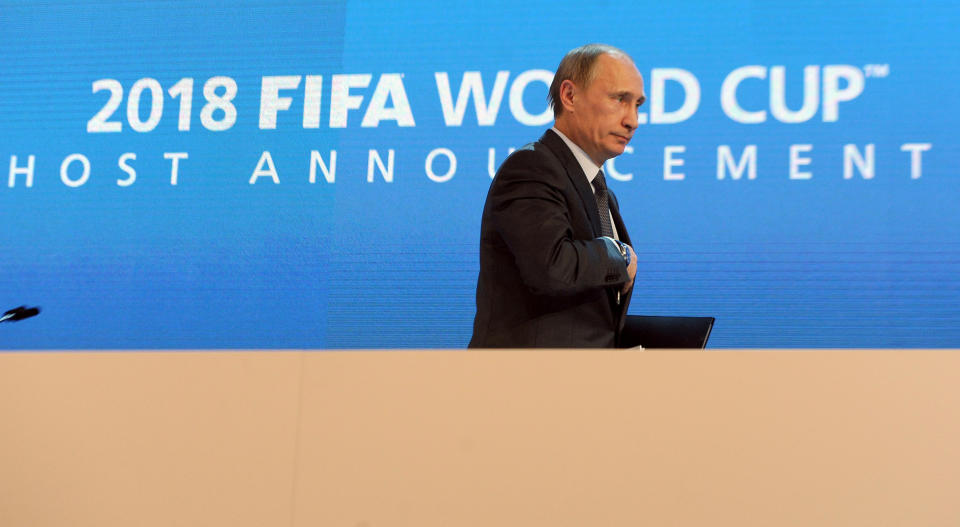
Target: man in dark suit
556,263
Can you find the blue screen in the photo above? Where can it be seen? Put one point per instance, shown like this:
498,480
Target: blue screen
311,174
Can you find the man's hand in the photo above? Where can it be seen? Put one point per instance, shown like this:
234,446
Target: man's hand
631,269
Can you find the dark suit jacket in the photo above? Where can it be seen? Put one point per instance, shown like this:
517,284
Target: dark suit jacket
546,278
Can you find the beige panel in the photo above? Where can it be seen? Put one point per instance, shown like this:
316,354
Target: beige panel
480,438
591,438
147,439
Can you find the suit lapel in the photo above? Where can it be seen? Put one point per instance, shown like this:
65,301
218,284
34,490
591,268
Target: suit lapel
576,175
579,180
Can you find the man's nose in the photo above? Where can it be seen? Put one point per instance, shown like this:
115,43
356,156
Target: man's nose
630,120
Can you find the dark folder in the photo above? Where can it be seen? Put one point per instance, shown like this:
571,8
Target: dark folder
666,332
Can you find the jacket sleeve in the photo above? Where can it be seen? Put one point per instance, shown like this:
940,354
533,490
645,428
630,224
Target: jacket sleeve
530,211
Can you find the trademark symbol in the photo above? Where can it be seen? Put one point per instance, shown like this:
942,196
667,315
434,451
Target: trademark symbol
876,70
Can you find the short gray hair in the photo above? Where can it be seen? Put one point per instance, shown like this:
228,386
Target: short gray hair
579,66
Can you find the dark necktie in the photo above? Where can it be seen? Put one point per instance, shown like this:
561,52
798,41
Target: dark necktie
603,205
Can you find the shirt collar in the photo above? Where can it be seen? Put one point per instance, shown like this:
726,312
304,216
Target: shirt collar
590,168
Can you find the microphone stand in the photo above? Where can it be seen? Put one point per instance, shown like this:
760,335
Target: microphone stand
19,313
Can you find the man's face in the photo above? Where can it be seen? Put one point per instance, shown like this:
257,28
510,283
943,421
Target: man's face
604,115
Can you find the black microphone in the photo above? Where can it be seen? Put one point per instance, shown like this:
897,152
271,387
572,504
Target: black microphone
19,313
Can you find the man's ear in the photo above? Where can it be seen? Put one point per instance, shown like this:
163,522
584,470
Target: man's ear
568,90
